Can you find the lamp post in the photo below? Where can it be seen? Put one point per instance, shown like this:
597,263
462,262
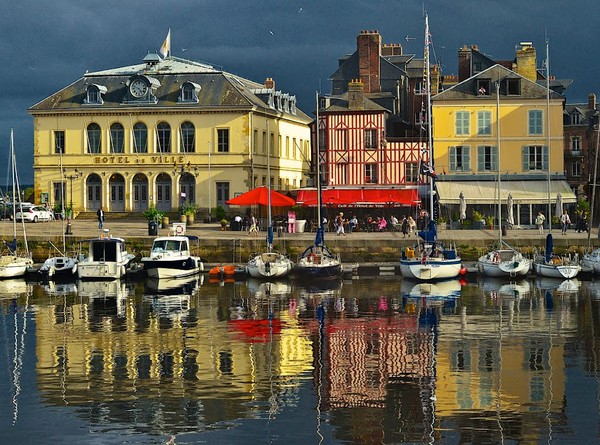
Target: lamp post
75,175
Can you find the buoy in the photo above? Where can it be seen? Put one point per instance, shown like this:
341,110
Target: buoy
229,270
215,271
463,271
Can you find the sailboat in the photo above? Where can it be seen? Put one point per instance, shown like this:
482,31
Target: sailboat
555,266
269,264
12,264
61,267
504,261
317,261
429,260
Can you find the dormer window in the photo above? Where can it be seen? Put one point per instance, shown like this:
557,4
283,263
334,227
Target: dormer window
278,103
94,94
286,103
293,104
189,92
513,87
483,87
271,100
575,118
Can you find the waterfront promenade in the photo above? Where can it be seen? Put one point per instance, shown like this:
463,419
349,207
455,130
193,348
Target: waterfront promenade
225,247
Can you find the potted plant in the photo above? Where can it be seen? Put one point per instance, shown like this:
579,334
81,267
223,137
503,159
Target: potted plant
187,210
224,223
478,220
442,222
489,222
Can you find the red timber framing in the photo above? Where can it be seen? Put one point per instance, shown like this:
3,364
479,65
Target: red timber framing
355,152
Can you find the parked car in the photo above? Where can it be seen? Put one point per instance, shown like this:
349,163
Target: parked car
6,211
34,214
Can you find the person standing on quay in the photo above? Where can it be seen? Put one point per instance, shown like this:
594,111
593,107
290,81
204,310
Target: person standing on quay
100,215
539,222
564,222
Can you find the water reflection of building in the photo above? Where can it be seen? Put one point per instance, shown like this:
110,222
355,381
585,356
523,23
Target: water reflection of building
86,355
507,363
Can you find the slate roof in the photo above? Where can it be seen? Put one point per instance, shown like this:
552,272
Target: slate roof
217,89
340,104
467,89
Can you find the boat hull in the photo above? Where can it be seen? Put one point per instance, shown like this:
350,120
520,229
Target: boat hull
503,263
269,265
59,268
14,266
172,268
565,271
431,269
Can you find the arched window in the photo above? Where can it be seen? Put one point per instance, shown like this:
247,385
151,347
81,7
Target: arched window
93,138
188,137
163,138
117,138
140,138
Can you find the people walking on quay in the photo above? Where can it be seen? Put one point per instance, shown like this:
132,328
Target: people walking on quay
564,222
339,222
412,224
539,222
405,227
581,222
100,215
253,225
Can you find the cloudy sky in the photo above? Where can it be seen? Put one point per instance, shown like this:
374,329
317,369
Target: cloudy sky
46,45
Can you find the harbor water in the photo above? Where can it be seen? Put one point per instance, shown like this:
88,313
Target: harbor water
374,360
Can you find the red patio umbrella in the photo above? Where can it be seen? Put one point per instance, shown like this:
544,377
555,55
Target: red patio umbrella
260,195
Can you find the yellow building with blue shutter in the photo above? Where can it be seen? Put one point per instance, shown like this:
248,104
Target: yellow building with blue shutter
162,132
498,123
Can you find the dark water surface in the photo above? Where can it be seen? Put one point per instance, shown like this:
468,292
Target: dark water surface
364,361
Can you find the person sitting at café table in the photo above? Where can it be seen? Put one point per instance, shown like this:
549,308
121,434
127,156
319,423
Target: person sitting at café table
352,224
382,223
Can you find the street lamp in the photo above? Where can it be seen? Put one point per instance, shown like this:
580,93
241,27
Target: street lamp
75,175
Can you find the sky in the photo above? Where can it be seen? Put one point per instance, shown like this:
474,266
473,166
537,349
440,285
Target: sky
47,45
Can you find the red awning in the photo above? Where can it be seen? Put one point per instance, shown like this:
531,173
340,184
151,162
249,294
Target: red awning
260,195
359,197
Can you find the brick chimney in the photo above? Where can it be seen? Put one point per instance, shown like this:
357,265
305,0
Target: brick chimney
368,44
356,96
592,101
464,63
391,49
270,83
526,61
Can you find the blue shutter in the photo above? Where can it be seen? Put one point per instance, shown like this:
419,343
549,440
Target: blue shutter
545,157
480,159
525,157
494,157
452,159
467,159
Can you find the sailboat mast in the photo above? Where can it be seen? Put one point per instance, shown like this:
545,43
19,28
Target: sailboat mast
498,150
319,220
16,189
548,131
14,180
268,170
429,131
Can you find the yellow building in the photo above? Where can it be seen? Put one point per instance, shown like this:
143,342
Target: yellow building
500,123
163,132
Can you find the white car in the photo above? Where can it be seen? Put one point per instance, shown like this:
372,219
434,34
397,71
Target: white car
34,214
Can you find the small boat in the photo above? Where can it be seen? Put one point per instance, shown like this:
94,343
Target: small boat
592,261
318,262
107,298
107,259
269,264
59,268
430,260
170,286
171,257
506,263
555,266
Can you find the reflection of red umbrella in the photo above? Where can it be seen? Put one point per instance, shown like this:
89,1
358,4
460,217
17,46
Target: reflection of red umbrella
256,331
260,195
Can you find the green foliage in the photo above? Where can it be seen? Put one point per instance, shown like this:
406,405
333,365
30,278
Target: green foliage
153,214
187,208
220,212
489,220
477,216
583,204
555,219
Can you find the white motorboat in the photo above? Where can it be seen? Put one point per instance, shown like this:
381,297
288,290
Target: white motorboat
107,259
171,257
59,267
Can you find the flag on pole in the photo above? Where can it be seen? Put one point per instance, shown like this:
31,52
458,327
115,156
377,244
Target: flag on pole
426,169
165,49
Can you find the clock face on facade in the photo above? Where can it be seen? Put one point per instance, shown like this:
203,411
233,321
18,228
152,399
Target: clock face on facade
138,88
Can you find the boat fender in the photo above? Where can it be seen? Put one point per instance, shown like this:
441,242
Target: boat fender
51,271
123,270
75,269
463,271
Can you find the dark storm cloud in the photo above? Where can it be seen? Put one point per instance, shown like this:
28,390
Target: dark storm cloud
46,45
